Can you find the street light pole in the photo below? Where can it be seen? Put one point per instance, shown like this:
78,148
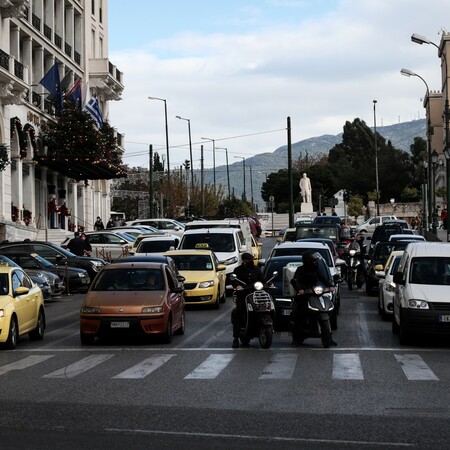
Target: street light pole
167,134
228,169
251,187
190,150
376,154
244,198
434,161
214,159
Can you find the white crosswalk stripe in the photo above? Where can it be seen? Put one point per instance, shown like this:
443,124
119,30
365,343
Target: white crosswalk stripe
347,366
280,367
145,367
79,367
211,368
24,363
415,368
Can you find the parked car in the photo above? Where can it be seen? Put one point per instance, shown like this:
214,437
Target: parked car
121,301
167,225
372,222
386,287
22,307
204,276
55,254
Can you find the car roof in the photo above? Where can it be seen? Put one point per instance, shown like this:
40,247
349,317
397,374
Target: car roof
138,264
143,257
215,230
188,252
302,244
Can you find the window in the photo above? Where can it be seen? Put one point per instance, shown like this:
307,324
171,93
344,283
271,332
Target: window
93,7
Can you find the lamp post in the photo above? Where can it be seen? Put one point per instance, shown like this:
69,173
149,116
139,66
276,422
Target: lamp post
190,150
376,155
251,187
167,134
228,169
434,160
410,73
214,159
244,198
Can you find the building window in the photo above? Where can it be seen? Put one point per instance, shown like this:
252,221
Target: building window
93,7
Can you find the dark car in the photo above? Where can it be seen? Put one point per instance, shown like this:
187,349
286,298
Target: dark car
319,230
74,278
55,254
382,233
379,256
283,302
328,220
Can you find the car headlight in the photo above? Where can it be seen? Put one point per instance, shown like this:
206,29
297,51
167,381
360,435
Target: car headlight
82,274
97,263
418,304
2,313
206,284
152,309
230,261
90,310
390,287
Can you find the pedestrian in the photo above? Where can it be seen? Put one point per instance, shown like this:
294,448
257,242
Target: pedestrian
76,244
87,245
110,223
98,225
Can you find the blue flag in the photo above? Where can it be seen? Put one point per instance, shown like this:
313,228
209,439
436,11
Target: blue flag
75,93
52,83
93,108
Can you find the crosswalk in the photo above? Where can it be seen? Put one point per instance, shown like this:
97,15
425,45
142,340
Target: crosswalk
281,365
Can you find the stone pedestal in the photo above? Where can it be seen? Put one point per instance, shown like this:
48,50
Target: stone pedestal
306,208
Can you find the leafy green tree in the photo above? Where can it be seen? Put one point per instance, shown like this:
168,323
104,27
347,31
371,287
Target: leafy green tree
355,206
441,191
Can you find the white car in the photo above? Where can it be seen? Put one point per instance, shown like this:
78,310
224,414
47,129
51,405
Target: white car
386,288
167,225
370,224
406,237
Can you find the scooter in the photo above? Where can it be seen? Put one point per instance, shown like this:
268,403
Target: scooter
355,276
260,312
316,324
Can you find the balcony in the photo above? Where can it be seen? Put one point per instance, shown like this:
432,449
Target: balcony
105,78
12,73
58,41
36,22
14,8
47,32
68,49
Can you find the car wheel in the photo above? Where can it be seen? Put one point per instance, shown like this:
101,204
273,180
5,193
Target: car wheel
13,335
87,339
216,304
38,333
167,335
182,328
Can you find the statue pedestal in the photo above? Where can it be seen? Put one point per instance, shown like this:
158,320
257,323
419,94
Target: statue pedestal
306,208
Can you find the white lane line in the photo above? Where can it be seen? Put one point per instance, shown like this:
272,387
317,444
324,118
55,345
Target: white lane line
24,363
83,365
280,367
347,366
415,368
363,330
145,367
211,367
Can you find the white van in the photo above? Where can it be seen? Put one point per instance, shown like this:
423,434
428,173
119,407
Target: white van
370,224
422,294
227,243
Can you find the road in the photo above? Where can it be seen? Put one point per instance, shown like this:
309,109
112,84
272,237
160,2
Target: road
197,392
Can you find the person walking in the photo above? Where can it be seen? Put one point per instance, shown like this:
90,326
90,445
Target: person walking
76,244
98,225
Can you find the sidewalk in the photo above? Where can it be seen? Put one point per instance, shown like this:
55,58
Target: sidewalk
442,235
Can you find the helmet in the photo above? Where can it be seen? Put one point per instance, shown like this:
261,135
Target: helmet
247,256
310,260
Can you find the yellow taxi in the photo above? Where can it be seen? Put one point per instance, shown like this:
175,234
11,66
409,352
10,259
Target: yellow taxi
205,277
21,307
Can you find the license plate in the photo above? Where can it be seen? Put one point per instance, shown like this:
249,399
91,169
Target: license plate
285,312
120,324
444,318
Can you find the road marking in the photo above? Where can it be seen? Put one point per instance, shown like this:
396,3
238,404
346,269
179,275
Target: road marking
24,363
415,368
81,366
362,324
211,367
347,367
280,367
145,367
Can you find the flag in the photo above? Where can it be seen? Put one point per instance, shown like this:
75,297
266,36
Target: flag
93,108
52,83
74,93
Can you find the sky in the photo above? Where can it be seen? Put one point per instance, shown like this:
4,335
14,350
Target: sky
238,68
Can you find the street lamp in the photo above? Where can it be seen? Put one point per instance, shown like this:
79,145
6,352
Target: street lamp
190,150
228,169
167,134
410,73
434,161
243,167
376,155
214,158
251,187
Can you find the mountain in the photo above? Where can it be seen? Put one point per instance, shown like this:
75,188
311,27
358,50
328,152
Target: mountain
401,136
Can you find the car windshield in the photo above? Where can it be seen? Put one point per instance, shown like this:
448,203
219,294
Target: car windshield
155,246
327,232
129,279
286,251
126,236
193,262
430,270
42,260
4,284
217,242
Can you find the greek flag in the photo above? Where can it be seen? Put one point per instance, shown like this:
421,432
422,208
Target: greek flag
93,108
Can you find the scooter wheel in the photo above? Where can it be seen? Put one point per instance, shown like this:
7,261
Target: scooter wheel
325,333
265,336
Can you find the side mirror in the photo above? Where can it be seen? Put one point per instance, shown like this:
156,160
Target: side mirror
178,290
21,290
221,267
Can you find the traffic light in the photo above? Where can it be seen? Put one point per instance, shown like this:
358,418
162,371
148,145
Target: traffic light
346,196
187,164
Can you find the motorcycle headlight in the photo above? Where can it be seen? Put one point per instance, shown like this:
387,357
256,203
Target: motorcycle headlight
352,252
418,304
258,286
318,290
206,284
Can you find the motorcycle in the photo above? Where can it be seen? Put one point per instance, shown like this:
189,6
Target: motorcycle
316,324
354,272
260,312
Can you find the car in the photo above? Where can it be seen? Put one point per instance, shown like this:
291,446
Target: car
403,223
73,279
382,233
372,222
167,225
386,287
205,279
108,245
21,306
157,244
289,235
327,220
406,237
329,242
120,301
319,230
55,254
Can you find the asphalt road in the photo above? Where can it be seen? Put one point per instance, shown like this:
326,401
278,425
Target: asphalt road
197,392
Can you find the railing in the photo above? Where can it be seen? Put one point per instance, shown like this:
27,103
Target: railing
36,21
77,57
26,13
4,60
58,41
36,99
67,49
18,69
47,32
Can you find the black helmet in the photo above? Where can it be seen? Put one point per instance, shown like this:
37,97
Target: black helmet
310,260
247,256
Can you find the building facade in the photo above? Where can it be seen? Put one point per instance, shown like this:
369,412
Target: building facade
39,193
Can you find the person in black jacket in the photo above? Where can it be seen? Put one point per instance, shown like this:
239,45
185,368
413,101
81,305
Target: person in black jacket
306,277
247,273
76,244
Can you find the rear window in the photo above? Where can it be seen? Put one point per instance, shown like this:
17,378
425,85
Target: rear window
217,242
333,220
331,232
430,270
287,251
155,246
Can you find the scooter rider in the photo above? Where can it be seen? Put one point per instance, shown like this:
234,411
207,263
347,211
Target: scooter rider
248,273
357,245
306,277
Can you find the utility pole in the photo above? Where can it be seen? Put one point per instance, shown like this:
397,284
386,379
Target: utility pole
202,180
150,181
290,179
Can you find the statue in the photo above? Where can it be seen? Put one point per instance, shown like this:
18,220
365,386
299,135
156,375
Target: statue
305,189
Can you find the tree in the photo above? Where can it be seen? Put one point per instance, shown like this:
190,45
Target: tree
355,206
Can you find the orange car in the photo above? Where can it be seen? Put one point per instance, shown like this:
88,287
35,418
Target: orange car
133,298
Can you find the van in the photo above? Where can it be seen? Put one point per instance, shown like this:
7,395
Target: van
422,293
370,224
